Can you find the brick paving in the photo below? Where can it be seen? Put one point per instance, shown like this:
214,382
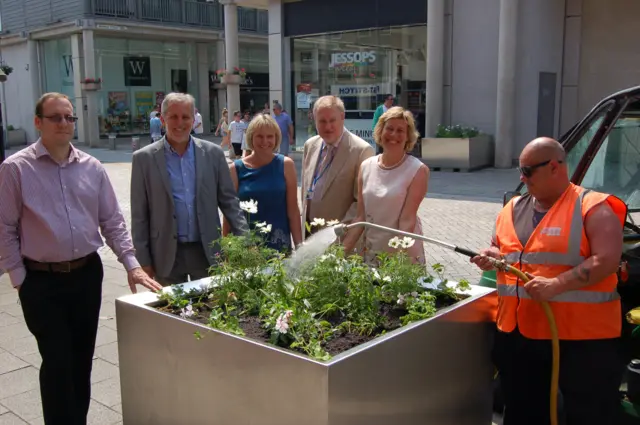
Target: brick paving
459,209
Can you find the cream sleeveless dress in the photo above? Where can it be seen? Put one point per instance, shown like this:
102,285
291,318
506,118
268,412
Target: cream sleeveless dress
384,192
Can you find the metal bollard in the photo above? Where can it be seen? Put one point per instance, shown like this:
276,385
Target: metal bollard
112,142
135,143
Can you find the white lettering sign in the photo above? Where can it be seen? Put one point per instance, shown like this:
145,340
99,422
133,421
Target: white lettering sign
358,90
362,129
352,59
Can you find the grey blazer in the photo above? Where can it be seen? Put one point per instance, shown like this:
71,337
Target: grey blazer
153,221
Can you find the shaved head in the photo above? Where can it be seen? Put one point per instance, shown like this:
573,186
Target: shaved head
543,169
544,147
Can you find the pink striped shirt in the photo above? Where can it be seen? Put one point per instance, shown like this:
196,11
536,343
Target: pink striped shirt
52,212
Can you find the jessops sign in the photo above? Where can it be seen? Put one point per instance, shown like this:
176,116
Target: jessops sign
352,59
356,90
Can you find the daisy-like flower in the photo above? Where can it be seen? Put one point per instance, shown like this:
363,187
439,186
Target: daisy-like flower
395,242
249,206
386,279
187,312
265,229
407,242
414,294
376,274
261,224
401,299
318,222
333,222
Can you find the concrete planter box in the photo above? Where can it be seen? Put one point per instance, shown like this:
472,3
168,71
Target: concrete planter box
17,137
231,79
91,86
437,371
466,154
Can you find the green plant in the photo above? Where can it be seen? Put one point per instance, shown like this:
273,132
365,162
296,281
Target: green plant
6,68
456,132
310,310
10,127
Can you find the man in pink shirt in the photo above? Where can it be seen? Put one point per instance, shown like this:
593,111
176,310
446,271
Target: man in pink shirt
56,200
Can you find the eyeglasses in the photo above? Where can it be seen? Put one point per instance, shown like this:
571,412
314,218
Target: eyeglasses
527,170
59,118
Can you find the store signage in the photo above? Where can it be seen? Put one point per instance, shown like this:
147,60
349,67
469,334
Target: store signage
352,59
362,129
356,90
137,71
67,70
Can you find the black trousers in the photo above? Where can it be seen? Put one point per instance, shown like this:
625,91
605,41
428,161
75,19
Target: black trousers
590,376
61,311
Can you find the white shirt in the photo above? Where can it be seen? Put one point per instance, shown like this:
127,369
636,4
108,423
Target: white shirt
197,124
237,129
153,114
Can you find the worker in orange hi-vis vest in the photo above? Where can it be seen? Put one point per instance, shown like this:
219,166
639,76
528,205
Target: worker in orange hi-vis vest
570,239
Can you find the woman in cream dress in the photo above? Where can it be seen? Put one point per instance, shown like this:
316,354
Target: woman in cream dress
391,187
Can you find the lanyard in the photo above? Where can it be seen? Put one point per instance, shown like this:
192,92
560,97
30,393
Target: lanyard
317,176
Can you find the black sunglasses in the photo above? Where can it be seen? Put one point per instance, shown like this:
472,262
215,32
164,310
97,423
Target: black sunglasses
527,170
59,118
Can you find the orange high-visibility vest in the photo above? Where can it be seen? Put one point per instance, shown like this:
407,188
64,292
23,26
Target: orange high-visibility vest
558,244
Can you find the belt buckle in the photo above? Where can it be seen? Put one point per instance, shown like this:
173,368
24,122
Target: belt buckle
64,269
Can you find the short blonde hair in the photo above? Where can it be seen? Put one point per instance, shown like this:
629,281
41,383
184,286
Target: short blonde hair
328,102
259,122
174,97
393,113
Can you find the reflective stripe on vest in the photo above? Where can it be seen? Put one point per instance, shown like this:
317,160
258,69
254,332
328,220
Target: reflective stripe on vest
571,258
585,297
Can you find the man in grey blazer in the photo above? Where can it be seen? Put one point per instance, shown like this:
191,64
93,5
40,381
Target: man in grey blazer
177,185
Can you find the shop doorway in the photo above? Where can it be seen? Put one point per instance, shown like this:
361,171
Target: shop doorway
179,82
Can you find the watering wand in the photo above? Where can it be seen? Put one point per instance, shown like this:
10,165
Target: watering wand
341,230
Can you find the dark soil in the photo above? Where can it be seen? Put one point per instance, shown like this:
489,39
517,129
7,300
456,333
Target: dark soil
341,342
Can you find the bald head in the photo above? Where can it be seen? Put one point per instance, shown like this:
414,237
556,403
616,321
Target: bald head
544,148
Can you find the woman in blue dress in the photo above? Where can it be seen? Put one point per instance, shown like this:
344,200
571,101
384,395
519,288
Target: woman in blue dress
270,179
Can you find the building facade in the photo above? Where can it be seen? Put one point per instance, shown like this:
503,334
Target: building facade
514,69
139,50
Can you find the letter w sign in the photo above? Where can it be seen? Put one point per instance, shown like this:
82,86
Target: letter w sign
137,71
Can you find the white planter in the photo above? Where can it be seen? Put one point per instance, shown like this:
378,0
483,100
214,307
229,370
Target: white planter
16,137
231,79
466,154
436,371
91,86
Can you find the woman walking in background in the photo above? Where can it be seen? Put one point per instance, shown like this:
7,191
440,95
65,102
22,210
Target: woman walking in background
391,187
223,129
269,178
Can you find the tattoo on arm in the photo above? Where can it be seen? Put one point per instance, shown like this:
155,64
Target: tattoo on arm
581,273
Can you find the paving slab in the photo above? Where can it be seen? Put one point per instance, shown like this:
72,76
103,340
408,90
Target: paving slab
108,352
18,382
11,419
107,392
99,414
27,405
9,363
7,319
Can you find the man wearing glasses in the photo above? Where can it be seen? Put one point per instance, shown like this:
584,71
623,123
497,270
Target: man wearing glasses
569,240
56,201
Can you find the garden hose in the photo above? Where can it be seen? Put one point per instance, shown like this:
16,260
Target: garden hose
341,229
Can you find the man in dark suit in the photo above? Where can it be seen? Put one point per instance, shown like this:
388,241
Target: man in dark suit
177,185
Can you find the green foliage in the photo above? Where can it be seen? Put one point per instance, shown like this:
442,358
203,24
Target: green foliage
456,132
324,300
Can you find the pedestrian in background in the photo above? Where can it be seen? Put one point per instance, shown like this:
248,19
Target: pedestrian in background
56,200
155,128
177,186
269,178
384,107
236,132
246,119
286,129
391,187
198,128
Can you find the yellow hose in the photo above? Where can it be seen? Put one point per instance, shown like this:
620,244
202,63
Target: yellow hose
555,348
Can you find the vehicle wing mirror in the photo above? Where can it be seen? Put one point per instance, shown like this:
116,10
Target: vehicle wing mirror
509,196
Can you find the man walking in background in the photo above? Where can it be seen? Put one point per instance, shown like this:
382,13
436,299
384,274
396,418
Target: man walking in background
56,200
286,128
177,185
384,107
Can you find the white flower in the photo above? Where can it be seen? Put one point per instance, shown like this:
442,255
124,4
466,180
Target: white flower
400,299
260,225
339,269
376,274
395,242
318,222
333,222
266,229
248,274
187,312
386,279
282,323
249,206
414,294
407,242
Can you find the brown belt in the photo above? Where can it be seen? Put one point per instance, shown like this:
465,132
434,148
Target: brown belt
61,267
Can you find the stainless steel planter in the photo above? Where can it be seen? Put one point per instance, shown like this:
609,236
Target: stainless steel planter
435,372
